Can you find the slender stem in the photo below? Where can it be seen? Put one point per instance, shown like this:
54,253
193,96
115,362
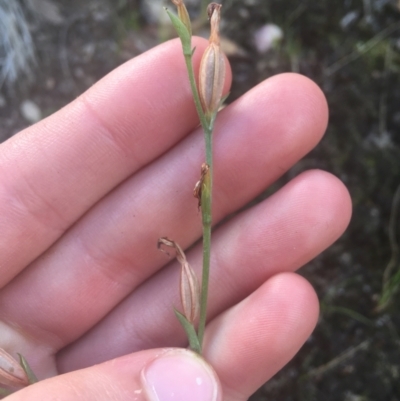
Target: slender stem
207,121
206,211
196,97
206,208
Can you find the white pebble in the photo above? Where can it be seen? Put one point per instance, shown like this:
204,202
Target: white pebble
31,111
349,19
267,37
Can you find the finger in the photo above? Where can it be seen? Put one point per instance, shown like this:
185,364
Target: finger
112,249
280,234
252,341
56,170
246,345
154,375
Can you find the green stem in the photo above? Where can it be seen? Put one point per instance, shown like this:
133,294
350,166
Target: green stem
206,211
195,92
207,124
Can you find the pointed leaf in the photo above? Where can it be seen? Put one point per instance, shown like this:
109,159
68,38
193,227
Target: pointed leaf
224,98
190,332
182,32
29,372
214,115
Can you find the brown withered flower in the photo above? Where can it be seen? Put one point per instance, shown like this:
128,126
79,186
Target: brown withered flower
198,188
212,67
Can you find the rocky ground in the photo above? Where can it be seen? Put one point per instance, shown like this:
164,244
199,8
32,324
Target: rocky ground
351,48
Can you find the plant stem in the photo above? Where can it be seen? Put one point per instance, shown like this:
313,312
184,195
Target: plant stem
206,211
195,92
207,118
206,197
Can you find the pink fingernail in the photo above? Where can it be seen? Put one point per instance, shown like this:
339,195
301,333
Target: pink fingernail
180,375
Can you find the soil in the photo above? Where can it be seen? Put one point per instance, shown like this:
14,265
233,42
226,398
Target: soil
351,48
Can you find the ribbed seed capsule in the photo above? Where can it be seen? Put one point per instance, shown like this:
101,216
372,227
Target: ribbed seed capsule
212,67
11,372
189,285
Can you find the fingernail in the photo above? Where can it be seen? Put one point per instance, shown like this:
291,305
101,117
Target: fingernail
180,375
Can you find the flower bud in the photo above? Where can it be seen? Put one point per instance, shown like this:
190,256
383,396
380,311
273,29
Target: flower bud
183,14
11,372
212,67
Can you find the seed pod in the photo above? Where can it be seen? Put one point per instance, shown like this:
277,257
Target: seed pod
183,14
189,285
11,372
212,67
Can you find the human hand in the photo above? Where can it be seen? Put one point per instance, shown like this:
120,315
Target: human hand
86,193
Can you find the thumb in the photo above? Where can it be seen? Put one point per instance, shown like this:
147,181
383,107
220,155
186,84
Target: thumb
152,375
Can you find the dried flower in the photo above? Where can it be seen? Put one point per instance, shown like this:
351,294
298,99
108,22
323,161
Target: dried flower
183,14
189,285
212,67
11,372
198,188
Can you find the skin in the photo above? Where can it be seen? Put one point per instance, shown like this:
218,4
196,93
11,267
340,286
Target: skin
86,193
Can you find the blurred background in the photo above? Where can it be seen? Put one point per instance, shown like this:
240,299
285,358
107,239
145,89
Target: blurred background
53,50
